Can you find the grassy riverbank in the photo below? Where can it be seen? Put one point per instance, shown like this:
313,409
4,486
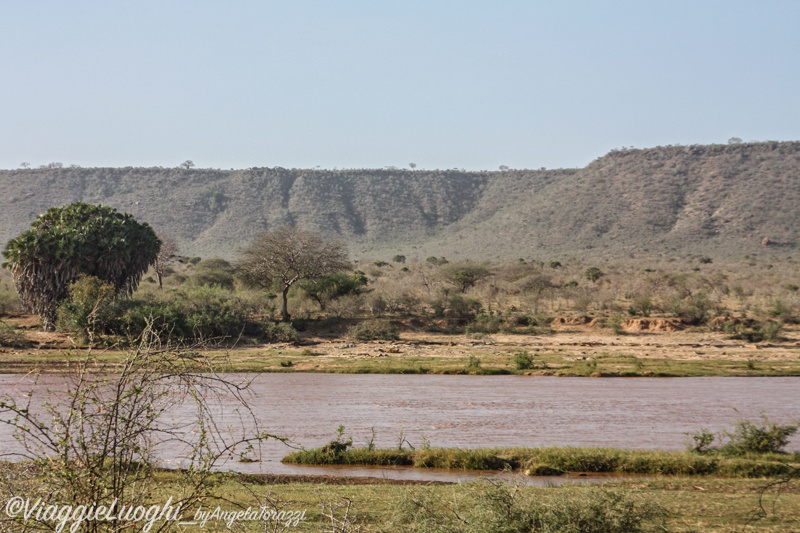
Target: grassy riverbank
458,356
557,460
675,504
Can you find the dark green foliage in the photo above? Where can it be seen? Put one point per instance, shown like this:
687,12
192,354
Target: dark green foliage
186,313
555,264
465,275
700,441
753,331
758,437
572,459
399,258
279,332
335,286
78,239
523,360
745,438
642,305
593,274
374,330
464,279
783,311
485,323
213,272
459,306
692,310
88,306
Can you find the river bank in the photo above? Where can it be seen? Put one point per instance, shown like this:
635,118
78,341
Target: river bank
573,350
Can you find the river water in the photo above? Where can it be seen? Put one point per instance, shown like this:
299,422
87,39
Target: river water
481,411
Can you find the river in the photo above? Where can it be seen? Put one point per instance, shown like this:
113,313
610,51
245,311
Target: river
483,411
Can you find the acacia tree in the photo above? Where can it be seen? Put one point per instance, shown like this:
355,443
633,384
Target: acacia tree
280,258
167,254
78,239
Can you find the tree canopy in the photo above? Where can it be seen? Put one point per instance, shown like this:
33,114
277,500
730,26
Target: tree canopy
78,239
281,257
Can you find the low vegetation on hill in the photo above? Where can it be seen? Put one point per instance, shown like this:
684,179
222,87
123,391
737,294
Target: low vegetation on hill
674,201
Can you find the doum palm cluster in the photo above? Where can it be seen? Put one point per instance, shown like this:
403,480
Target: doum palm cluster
77,240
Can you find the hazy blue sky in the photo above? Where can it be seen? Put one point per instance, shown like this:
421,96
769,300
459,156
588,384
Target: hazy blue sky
443,84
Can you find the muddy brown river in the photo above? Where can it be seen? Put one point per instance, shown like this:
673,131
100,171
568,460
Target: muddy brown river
483,411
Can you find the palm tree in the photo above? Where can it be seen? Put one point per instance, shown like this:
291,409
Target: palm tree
78,239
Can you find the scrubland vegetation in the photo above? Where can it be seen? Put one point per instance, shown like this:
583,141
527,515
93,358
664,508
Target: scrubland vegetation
672,261
473,303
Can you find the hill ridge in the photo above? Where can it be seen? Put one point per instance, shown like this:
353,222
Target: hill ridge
700,199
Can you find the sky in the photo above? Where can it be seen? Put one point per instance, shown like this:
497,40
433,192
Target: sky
369,84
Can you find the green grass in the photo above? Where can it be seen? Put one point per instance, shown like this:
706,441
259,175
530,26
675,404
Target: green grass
689,504
563,459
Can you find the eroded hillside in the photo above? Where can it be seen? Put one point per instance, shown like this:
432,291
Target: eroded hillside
713,200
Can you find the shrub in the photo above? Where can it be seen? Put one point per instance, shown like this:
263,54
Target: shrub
614,323
783,312
212,272
189,313
593,274
494,506
763,437
535,284
692,311
459,306
523,361
10,337
87,307
745,437
485,323
9,301
643,305
699,441
346,306
753,331
273,332
373,330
